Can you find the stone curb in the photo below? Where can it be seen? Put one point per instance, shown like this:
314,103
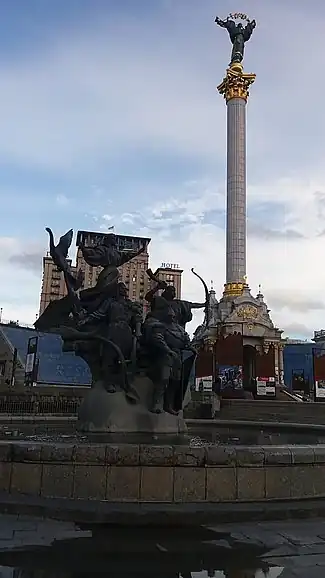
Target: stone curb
138,514
195,423
171,474
160,455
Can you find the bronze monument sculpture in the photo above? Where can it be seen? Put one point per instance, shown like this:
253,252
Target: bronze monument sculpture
238,34
140,367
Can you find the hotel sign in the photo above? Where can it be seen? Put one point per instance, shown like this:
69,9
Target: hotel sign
169,266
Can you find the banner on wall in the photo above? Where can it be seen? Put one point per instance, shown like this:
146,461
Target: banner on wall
31,362
230,376
320,388
265,386
204,383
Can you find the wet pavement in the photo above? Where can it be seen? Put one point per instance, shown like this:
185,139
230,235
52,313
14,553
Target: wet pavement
41,548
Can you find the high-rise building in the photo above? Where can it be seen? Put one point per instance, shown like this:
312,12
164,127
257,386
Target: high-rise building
53,285
133,273
172,275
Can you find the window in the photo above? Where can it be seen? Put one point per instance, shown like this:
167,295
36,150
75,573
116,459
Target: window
134,278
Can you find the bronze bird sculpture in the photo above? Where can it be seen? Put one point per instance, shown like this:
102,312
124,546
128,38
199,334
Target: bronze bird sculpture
59,252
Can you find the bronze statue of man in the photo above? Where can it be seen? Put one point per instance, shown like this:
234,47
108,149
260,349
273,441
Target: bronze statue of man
182,309
238,36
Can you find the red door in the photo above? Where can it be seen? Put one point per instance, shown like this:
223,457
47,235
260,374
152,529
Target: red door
229,350
265,363
204,364
265,373
319,373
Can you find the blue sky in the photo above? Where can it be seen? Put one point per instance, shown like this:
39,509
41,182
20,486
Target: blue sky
110,116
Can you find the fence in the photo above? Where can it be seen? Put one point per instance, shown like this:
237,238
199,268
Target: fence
39,406
14,323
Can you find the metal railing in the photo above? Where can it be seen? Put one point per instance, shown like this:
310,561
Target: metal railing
16,323
39,406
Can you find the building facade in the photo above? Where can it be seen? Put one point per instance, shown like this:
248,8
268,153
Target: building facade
172,275
133,273
298,360
53,285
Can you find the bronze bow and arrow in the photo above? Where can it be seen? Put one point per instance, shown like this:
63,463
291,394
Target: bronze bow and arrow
207,298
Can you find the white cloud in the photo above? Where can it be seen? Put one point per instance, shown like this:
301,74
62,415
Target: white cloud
20,271
62,200
289,267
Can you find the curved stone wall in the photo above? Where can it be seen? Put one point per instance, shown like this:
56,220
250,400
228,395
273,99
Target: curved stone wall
171,474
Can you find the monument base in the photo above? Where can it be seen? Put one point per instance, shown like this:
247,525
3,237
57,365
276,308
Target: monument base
103,412
242,335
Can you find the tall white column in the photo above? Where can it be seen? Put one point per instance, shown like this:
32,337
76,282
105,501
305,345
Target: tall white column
236,191
235,89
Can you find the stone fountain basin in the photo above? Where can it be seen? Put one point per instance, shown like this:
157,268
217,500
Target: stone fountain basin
106,478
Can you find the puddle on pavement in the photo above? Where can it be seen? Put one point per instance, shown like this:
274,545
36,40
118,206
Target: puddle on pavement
7,572
86,552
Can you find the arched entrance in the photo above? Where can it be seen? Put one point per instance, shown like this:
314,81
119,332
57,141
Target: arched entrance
249,366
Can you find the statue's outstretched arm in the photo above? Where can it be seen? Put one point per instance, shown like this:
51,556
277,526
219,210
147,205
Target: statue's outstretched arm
248,30
151,293
222,23
197,305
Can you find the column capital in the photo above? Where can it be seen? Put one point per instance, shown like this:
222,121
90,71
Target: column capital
236,83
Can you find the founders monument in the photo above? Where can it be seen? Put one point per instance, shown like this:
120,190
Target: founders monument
140,367
239,331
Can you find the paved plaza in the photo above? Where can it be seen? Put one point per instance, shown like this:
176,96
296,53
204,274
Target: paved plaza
287,549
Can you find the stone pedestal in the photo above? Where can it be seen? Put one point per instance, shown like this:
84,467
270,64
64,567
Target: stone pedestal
102,412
